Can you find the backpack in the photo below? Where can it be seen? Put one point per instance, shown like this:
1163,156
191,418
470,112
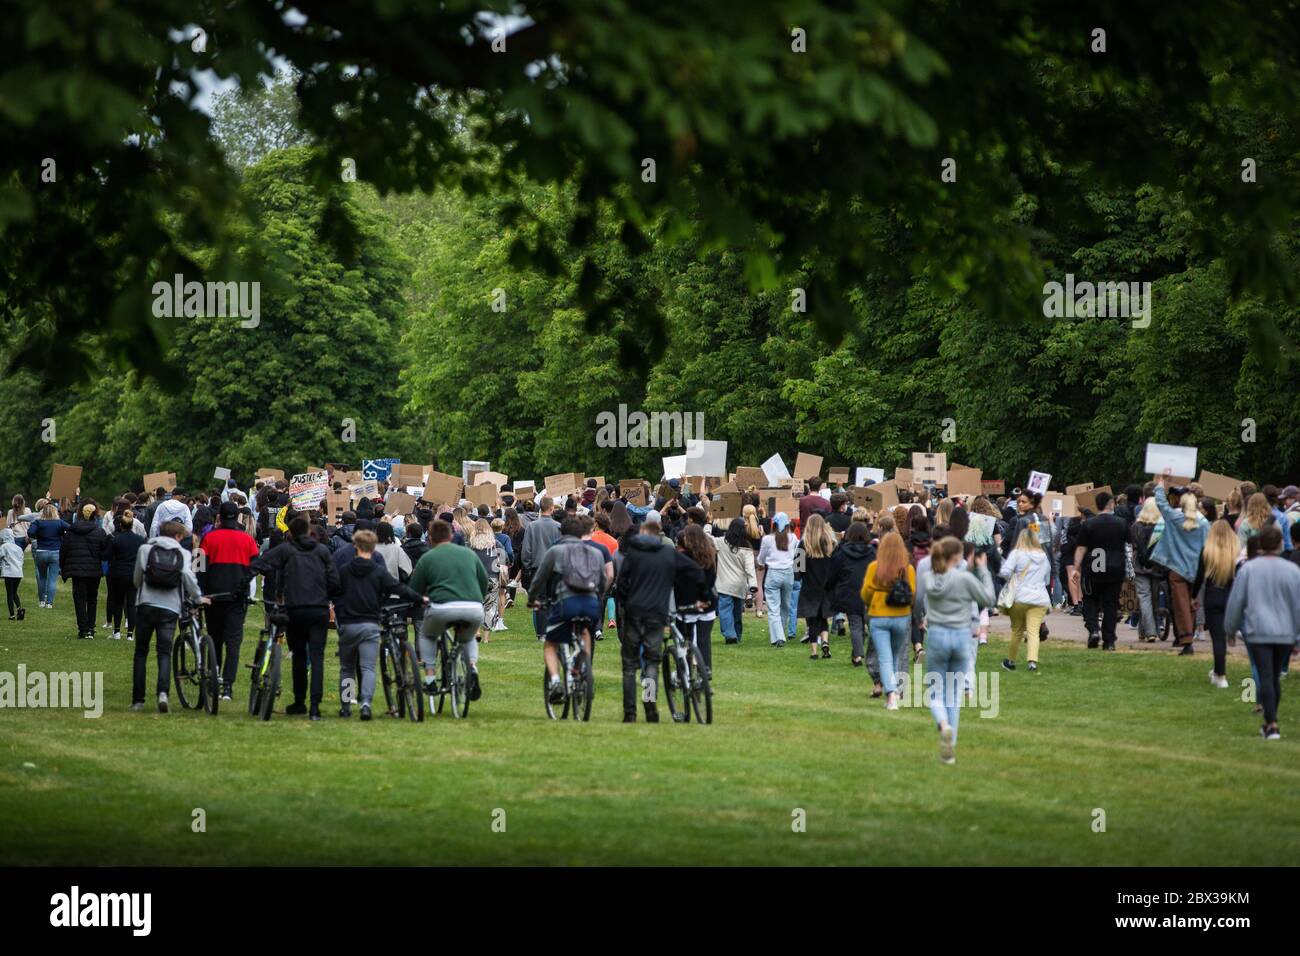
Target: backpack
900,595
584,569
162,569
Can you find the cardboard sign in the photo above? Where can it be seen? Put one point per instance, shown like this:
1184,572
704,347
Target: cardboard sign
965,481
466,467
1038,482
525,494
222,473
490,478
706,457
930,466
904,477
1179,459
443,489
747,477
482,494
726,506
806,466
561,484
695,483
274,474
863,475
1088,499
838,476
1064,506
1078,489
522,486
363,489
1218,487
726,488
775,504
308,490
633,491
877,497
993,487
400,503
336,503
774,470
152,481
66,479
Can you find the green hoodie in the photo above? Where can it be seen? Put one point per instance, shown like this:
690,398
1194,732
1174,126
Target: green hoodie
450,572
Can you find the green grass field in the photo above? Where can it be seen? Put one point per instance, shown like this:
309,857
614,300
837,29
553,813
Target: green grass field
1142,736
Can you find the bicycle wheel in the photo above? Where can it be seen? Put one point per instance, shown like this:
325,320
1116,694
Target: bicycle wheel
580,708
210,683
255,678
185,671
271,682
701,691
458,685
386,674
411,695
672,682
1164,614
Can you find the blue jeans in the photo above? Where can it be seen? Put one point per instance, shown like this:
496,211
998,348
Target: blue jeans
890,635
778,585
791,615
47,575
731,613
947,657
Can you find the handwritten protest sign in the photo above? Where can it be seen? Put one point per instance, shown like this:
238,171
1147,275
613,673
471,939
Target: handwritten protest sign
307,491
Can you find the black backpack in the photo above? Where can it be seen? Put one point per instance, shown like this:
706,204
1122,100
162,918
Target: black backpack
900,595
162,569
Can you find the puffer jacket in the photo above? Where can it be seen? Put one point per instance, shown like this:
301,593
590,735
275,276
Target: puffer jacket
848,569
85,548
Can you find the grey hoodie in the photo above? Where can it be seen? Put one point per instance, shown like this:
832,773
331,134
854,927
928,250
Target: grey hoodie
167,600
11,556
948,596
1264,604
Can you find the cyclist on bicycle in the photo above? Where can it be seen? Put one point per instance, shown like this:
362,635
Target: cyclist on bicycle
574,575
645,586
453,579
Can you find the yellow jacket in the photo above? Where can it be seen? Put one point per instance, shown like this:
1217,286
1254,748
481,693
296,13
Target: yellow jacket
874,596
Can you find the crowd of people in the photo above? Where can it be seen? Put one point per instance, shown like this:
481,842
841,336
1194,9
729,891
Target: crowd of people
916,581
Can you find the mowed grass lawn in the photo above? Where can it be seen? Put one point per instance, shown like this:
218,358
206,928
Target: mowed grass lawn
1142,736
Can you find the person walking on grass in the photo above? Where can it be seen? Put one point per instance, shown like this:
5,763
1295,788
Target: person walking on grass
645,587
46,534
949,593
816,595
11,569
888,590
775,561
365,583
228,552
1218,568
123,548
737,580
1179,549
81,558
1027,570
1098,564
848,571
1264,606
162,574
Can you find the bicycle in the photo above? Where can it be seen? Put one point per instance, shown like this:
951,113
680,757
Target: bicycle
268,661
450,678
575,668
684,672
399,667
1163,600
194,661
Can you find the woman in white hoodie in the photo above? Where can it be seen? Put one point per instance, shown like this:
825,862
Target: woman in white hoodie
737,579
1027,570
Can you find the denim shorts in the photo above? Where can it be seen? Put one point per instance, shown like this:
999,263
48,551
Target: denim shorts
581,605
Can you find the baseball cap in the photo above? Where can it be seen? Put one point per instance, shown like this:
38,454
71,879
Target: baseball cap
228,510
652,517
1291,491
781,521
674,483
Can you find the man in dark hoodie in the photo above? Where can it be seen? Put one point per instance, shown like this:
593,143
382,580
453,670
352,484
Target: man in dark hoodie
306,580
225,570
365,583
81,557
645,588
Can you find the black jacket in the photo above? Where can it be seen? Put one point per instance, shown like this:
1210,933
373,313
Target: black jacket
304,572
85,548
415,549
1105,533
645,580
692,583
122,548
848,568
816,589
839,521
365,583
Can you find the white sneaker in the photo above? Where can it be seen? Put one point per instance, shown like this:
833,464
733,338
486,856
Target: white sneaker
946,746
499,625
1217,681
891,702
162,702
117,635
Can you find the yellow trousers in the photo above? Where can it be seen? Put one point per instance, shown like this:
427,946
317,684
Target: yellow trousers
1025,621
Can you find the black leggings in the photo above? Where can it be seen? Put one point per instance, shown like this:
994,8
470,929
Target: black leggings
815,627
11,594
703,638
121,600
1218,639
306,637
1270,660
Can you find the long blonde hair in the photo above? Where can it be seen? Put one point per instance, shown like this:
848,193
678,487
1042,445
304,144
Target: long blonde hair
482,537
943,514
1150,513
818,538
1221,550
752,528
1258,511
1191,511
1027,540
